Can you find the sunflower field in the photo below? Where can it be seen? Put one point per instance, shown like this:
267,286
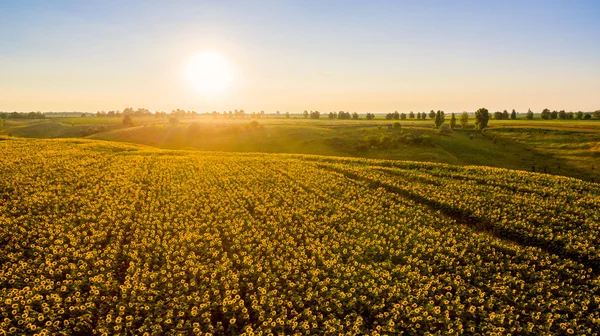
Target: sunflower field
114,239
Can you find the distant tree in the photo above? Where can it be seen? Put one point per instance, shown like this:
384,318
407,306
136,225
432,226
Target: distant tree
432,114
570,115
439,118
83,115
262,114
554,114
419,115
355,116
579,115
173,121
370,116
389,116
464,120
452,121
596,114
305,114
127,121
587,116
513,115
411,115
445,129
546,114
505,115
332,115
562,114
287,114
278,114
344,115
498,115
315,114
396,116
482,117
403,116
529,115
128,110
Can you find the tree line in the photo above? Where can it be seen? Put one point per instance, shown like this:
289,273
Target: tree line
22,115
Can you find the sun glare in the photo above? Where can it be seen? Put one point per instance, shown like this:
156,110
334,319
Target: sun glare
209,73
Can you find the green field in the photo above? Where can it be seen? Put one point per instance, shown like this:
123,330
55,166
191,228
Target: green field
108,238
560,147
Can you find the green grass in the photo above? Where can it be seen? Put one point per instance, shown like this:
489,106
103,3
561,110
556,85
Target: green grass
562,147
96,121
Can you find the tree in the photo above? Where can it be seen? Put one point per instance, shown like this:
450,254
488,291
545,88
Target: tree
439,119
389,116
418,115
370,116
403,116
554,114
396,116
411,115
505,115
355,116
529,115
587,116
498,115
278,114
513,115
464,120
579,115
287,114
482,117
432,114
343,115
315,114
562,114
452,121
305,114
545,114
597,114
570,115
127,121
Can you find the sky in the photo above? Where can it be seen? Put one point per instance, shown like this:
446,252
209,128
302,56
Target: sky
364,56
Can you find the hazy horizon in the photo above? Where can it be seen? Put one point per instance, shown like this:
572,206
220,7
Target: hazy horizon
291,56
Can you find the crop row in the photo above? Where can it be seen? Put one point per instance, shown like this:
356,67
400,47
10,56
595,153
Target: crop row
112,239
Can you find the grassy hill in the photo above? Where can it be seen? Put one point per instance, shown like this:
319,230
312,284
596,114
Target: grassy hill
561,147
571,151
126,239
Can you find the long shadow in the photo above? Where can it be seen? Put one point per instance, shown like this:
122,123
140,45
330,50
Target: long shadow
477,223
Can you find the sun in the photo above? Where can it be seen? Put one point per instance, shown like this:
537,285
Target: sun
209,72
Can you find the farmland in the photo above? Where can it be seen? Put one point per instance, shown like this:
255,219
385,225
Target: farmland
560,147
112,238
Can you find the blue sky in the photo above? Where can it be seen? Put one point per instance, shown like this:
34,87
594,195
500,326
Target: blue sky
375,56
